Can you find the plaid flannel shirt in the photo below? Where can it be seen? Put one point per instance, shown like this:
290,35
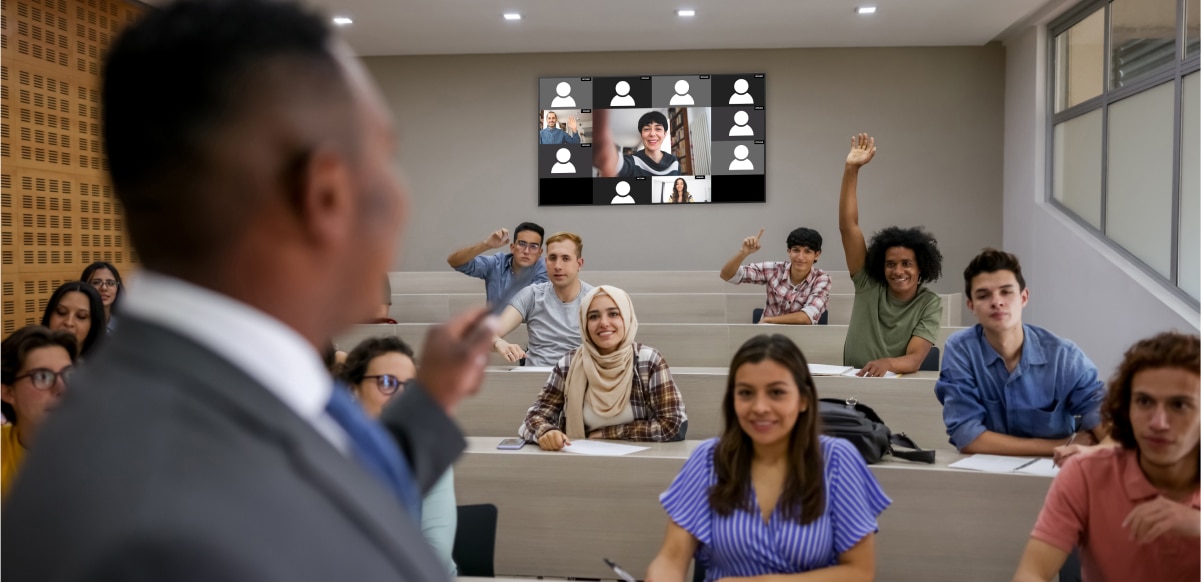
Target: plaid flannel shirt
810,296
654,399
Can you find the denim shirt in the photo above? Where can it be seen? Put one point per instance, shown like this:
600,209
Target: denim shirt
497,272
1052,384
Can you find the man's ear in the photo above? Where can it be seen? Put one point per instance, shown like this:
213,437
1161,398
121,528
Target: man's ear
6,394
323,195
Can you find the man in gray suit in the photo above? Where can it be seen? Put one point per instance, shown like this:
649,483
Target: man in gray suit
253,158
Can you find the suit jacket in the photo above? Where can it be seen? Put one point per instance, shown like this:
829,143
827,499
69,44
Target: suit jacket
165,462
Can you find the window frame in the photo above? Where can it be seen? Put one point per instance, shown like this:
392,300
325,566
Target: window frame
1173,73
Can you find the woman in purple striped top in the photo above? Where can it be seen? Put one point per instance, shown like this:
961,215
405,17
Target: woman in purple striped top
771,496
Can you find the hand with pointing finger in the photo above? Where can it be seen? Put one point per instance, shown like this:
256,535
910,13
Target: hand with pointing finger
498,239
750,244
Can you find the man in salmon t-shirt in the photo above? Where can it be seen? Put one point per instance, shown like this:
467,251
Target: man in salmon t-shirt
1133,510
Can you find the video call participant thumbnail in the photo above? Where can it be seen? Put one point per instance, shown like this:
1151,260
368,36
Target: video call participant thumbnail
553,134
654,159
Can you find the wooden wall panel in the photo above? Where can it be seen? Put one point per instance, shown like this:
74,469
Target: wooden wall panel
58,209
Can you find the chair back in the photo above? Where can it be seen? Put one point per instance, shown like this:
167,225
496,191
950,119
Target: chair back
930,364
475,540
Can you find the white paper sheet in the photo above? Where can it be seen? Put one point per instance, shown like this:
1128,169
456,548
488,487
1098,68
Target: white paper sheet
539,369
1042,467
827,370
601,449
992,463
855,372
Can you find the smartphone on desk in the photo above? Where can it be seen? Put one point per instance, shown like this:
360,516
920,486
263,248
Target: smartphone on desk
511,444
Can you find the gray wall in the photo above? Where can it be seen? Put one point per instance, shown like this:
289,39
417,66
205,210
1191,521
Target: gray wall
1079,288
468,147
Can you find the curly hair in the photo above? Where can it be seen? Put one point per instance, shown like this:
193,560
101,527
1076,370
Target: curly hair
1166,350
916,239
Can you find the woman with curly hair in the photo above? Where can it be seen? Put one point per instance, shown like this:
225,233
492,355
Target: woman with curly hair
895,319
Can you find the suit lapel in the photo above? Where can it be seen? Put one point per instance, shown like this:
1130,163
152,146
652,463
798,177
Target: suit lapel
215,382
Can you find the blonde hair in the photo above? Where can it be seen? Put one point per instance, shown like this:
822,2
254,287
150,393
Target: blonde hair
571,236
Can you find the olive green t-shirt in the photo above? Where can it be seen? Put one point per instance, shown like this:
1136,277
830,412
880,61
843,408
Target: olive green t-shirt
881,325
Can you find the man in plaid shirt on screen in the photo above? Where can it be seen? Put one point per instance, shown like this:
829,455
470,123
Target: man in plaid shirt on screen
797,291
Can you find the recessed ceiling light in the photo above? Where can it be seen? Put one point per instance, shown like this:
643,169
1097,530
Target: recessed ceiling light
685,13
865,10
512,16
342,20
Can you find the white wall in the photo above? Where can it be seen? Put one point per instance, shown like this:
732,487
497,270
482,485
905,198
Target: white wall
468,148
1079,287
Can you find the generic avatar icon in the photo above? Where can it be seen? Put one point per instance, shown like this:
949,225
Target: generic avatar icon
623,194
622,99
740,96
740,124
564,166
681,97
740,162
564,98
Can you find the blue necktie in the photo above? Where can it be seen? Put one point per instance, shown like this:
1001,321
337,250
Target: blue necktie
375,450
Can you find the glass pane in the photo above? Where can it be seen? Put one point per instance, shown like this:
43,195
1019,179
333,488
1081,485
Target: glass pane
1142,38
1189,277
1138,209
1077,166
1080,62
1192,27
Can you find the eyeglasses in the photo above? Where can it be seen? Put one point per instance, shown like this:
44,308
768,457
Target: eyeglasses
44,379
532,247
98,283
387,383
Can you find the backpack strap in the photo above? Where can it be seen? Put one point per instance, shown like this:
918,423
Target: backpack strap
919,454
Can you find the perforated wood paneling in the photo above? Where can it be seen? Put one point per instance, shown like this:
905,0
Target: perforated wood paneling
59,213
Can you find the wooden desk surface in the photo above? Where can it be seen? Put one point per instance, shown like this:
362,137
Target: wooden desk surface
906,404
560,512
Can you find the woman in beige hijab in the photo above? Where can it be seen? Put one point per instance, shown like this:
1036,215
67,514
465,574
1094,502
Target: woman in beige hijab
611,387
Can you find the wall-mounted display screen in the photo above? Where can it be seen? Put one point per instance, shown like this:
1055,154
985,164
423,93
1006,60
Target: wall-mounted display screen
652,139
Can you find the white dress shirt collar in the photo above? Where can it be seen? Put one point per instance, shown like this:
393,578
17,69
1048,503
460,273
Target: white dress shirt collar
265,348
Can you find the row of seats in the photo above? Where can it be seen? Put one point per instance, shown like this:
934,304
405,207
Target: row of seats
677,307
682,344
556,517
907,404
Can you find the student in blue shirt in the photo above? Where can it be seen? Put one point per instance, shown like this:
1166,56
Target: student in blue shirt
1009,388
771,495
500,269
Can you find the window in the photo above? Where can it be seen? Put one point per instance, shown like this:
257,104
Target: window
1125,158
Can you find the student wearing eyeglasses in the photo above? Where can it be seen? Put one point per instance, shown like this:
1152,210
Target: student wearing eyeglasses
37,364
375,371
106,279
497,271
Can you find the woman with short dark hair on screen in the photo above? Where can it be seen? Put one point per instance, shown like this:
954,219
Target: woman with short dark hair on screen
611,387
679,192
76,307
771,495
106,279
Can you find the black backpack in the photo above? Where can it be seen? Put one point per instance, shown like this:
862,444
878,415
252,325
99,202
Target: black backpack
859,424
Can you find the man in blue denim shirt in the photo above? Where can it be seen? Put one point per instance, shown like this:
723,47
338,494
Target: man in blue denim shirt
500,269
1013,389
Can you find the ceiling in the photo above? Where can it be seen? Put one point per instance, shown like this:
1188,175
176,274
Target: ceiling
411,27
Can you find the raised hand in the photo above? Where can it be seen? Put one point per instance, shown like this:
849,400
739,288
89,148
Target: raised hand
750,244
498,239
571,125
863,149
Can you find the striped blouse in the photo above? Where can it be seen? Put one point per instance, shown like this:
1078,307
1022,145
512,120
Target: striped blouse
742,545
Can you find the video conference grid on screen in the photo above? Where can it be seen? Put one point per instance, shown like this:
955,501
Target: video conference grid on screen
675,139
